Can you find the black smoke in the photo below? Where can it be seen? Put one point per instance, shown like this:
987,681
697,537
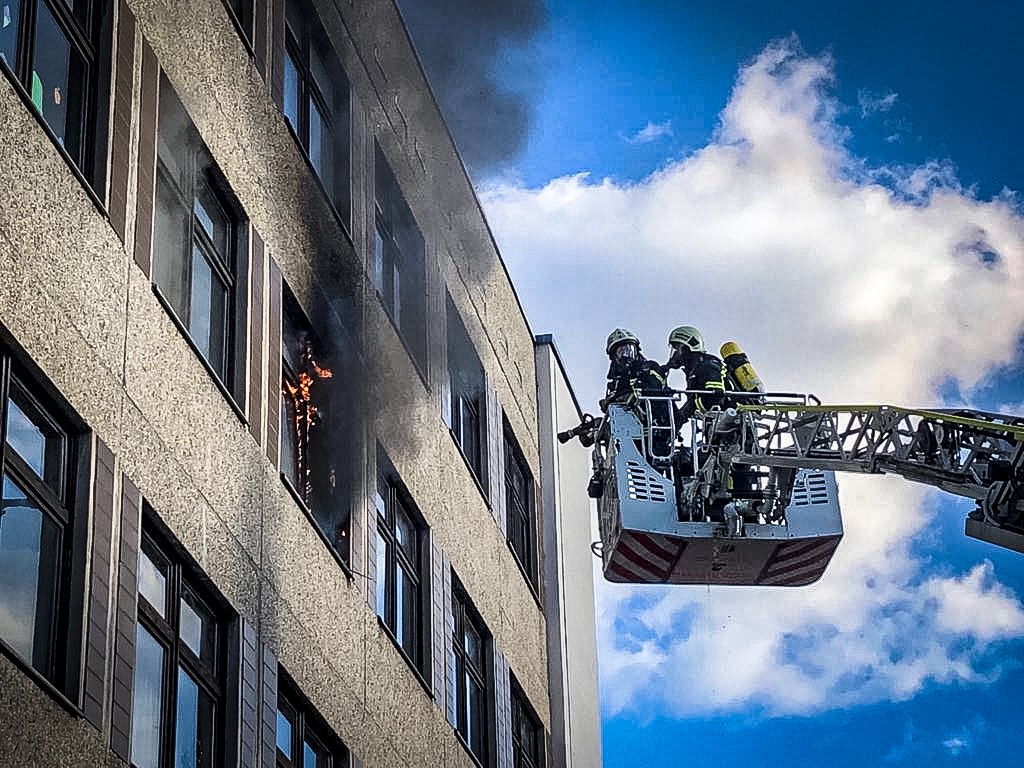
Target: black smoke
464,46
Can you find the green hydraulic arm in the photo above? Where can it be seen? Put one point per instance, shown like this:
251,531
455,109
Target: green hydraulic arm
974,454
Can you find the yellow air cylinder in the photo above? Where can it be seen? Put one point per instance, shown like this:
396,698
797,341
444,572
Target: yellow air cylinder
739,367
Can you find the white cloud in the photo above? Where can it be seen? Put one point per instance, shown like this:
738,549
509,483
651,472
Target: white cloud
955,745
870,103
861,284
651,132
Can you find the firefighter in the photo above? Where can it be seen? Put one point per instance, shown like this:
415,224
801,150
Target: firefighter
630,374
703,370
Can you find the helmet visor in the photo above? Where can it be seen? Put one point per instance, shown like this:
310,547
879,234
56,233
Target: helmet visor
625,351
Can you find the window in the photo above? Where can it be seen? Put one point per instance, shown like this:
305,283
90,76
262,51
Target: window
316,101
52,49
303,739
469,644
467,408
179,694
37,529
401,553
199,232
313,453
399,267
527,732
520,510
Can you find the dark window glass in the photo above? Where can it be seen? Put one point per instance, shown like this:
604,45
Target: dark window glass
178,698
52,49
469,644
36,531
198,242
316,101
467,407
527,732
303,738
314,451
401,558
399,265
520,509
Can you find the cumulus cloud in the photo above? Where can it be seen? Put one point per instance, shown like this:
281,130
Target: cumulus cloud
859,283
651,132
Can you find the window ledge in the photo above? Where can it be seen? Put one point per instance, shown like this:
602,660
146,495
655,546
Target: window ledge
412,666
534,588
345,568
19,89
472,472
54,692
183,331
401,338
458,737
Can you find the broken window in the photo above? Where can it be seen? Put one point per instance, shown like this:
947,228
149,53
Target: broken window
314,458
53,50
316,101
198,231
399,268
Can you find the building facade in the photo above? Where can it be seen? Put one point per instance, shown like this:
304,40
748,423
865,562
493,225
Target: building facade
277,439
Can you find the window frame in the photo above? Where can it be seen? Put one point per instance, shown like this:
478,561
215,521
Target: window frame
90,37
400,249
467,385
306,719
465,614
182,577
520,709
230,268
521,512
292,473
298,47
394,497
67,507
245,24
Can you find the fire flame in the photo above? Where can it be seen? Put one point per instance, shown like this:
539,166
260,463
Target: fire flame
307,415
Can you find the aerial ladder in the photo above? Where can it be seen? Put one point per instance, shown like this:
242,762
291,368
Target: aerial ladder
753,499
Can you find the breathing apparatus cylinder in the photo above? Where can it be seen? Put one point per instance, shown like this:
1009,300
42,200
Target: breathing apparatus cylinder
739,368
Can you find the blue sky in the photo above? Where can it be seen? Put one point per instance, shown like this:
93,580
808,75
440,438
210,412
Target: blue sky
828,187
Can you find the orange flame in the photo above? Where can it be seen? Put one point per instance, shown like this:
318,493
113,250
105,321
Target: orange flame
306,412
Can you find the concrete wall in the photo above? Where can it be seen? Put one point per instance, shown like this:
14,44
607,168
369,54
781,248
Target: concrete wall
569,569
75,300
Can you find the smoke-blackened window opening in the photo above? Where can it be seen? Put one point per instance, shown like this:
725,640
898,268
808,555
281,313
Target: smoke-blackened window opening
527,730
198,241
520,507
317,102
467,404
178,700
303,737
399,262
54,52
42,530
471,645
402,567
315,454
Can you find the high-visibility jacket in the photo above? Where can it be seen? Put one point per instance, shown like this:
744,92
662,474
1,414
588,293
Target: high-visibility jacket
703,371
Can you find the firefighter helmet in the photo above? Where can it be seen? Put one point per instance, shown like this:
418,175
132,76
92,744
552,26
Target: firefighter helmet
618,337
687,336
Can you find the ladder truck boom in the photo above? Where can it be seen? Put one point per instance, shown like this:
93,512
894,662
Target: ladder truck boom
753,499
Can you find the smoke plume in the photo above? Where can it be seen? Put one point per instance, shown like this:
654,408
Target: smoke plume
468,48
